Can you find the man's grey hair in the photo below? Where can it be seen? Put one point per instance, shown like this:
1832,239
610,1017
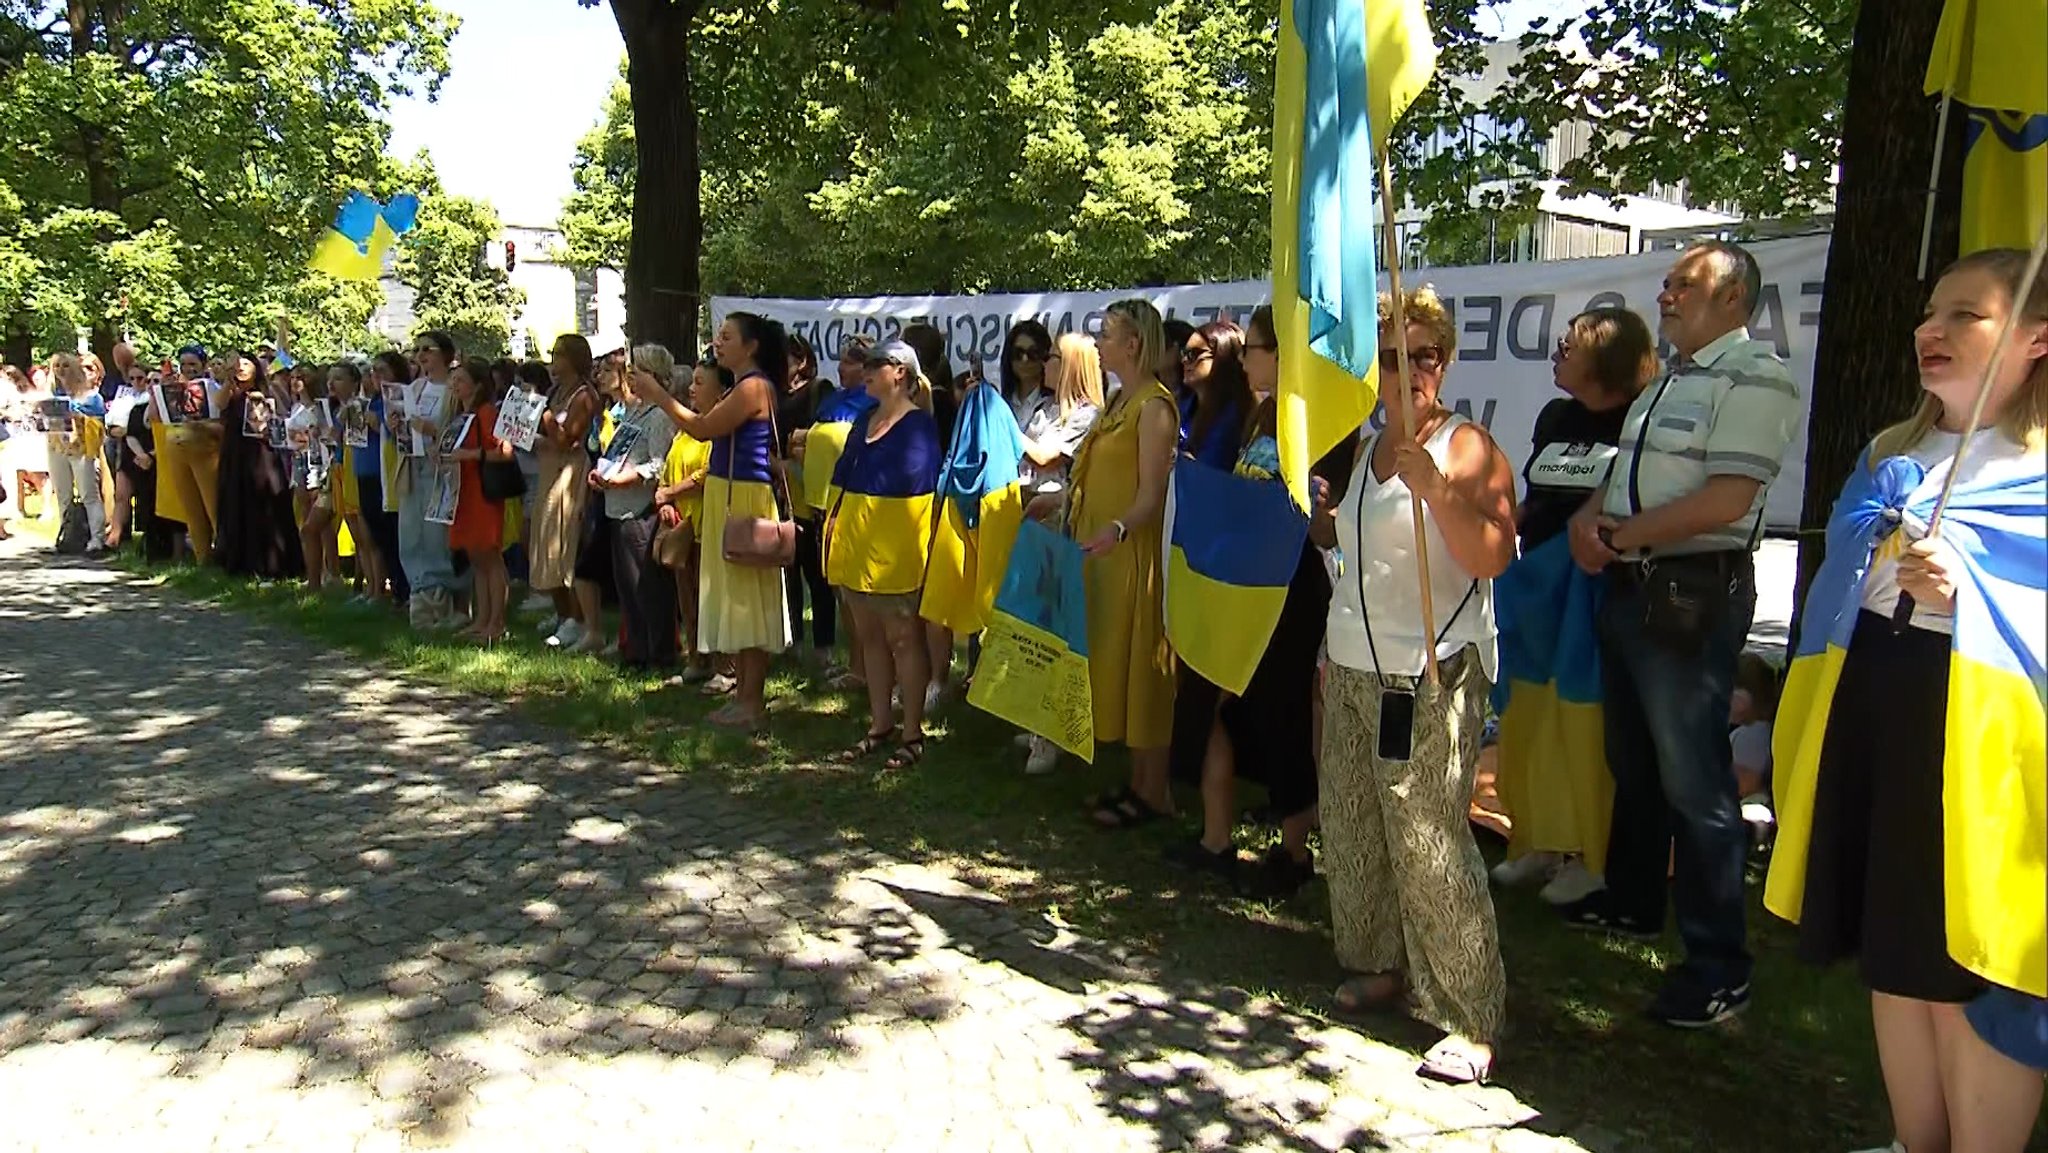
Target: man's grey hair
1732,264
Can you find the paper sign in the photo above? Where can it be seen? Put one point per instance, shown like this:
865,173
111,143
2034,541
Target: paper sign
1034,656
519,418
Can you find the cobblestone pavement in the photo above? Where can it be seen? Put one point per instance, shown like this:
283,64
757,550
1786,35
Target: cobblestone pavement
255,896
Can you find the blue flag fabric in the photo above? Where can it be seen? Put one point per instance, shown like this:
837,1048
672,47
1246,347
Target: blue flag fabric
1232,546
1995,771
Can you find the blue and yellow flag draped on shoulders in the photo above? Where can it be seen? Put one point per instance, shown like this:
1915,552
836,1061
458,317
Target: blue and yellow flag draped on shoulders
1549,702
1347,70
1034,656
1232,545
1991,56
353,247
981,503
1995,776
879,538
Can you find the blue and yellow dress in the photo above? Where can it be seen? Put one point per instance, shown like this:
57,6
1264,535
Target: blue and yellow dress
879,528
740,607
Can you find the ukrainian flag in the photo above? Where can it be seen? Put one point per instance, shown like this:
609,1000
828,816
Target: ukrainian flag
981,506
1995,778
1549,703
1347,70
1232,546
879,534
826,441
1034,657
353,247
1992,57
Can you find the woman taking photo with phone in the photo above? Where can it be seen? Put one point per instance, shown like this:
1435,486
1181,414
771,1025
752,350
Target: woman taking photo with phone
1408,896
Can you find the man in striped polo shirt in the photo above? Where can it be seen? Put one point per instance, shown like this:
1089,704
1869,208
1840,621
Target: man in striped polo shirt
1674,527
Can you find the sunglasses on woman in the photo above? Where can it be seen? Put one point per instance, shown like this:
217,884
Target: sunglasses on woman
1426,359
1029,352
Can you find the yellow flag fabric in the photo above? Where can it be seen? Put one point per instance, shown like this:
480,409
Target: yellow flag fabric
1992,57
1325,307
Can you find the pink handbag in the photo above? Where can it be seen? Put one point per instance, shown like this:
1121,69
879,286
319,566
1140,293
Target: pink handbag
753,541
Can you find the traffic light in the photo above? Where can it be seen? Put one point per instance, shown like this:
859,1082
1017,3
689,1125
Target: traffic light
511,256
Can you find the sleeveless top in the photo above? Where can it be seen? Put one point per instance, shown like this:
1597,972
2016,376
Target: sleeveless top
1376,541
754,439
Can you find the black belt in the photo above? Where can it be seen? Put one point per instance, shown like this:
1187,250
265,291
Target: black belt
1725,562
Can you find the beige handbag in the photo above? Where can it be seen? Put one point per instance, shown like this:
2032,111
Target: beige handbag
753,541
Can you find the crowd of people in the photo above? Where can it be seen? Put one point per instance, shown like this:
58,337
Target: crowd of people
743,506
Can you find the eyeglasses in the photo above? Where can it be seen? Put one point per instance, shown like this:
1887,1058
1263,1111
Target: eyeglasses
1428,359
1195,355
1030,352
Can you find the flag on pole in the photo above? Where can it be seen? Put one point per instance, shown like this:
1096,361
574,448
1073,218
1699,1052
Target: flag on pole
353,247
1991,57
1995,769
1347,70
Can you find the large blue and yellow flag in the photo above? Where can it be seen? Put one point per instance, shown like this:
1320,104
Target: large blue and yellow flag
1347,70
1553,747
1232,546
1034,656
826,441
1995,776
1991,56
878,535
353,247
981,503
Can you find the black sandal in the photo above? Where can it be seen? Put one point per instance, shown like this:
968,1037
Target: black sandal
907,754
1129,811
869,745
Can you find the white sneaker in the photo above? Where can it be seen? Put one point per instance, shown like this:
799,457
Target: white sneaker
1024,740
1045,757
1526,870
567,636
548,625
1572,882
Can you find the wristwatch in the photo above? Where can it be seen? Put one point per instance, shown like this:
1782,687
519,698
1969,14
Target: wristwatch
1123,531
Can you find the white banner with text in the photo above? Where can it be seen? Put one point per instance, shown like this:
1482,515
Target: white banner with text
1509,317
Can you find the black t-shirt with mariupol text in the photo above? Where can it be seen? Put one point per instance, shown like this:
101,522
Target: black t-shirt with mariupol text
1574,448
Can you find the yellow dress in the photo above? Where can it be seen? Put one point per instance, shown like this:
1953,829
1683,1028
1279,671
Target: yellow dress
1130,665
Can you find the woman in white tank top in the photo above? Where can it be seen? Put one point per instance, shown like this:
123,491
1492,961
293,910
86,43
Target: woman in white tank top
1408,894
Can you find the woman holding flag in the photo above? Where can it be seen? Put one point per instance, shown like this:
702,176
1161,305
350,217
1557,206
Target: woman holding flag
1408,897
1910,745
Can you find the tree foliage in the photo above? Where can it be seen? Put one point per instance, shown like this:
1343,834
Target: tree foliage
174,159
442,260
966,145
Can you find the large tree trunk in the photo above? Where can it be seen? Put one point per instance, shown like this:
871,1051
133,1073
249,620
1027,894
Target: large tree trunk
17,344
668,222
1863,371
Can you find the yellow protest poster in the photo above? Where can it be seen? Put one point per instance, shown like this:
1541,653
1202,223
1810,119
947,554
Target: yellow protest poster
1034,656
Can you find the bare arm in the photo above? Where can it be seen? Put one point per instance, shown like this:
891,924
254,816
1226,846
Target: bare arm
748,401
1158,439
1473,500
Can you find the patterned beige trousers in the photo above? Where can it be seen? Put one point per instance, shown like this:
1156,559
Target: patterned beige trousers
1407,884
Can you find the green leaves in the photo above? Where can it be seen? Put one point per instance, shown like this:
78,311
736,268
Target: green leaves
442,258
184,154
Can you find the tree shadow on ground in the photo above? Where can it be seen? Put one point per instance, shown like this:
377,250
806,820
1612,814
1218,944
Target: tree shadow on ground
202,854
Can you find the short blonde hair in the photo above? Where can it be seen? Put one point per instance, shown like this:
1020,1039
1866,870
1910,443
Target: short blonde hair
1424,307
655,360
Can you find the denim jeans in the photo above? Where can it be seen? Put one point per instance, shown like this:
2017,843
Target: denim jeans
1666,712
422,544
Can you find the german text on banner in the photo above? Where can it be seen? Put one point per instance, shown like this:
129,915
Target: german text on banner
1034,656
1995,775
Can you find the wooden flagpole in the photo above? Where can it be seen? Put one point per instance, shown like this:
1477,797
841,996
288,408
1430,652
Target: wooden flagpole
1903,615
1406,391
